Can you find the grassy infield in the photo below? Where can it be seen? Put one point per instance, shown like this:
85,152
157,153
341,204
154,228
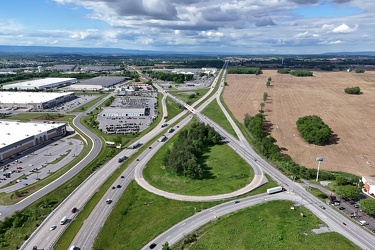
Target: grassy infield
140,216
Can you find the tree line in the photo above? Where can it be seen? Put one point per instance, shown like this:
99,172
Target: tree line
314,130
244,70
295,72
165,76
185,157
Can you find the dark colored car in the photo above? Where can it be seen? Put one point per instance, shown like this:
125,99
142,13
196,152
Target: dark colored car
237,202
341,208
153,245
74,209
122,176
113,187
322,207
119,186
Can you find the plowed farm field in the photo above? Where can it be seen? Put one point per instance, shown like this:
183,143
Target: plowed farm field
351,117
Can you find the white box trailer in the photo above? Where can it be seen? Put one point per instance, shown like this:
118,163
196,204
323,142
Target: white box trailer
274,190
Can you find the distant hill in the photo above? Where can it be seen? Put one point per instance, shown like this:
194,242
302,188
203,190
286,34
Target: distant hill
65,50
358,53
81,50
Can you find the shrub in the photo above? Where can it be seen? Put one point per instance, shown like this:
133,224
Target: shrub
353,91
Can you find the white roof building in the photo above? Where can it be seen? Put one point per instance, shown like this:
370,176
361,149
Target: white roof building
33,99
16,137
46,83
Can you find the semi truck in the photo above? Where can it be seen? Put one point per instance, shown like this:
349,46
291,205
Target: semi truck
121,159
275,190
135,145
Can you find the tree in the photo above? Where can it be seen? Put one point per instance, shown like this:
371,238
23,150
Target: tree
265,96
262,105
348,191
367,206
166,246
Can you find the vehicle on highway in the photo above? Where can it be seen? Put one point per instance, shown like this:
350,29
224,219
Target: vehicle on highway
122,176
322,207
108,201
344,223
73,248
153,245
373,230
341,208
63,220
150,147
237,202
119,186
275,190
74,209
53,227
113,187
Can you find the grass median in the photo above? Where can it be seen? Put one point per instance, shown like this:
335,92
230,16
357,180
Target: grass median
271,225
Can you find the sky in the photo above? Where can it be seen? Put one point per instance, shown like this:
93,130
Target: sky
232,26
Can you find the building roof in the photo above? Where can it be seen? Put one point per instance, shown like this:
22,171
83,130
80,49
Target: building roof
40,83
29,97
105,81
370,180
12,132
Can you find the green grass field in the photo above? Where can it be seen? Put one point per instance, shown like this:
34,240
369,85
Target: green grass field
185,95
172,108
266,226
140,216
228,170
214,112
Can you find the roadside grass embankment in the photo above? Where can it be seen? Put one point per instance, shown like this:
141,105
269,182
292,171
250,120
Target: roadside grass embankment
270,225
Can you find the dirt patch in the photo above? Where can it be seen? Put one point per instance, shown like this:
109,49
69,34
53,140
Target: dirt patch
351,117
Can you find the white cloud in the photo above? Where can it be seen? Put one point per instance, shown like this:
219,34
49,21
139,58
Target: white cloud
221,25
343,28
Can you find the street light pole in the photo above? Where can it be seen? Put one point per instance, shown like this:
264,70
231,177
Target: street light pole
318,159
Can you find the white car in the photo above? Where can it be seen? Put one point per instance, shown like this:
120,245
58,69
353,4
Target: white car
53,227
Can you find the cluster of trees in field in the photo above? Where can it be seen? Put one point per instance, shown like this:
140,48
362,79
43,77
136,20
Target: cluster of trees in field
184,158
245,70
314,130
266,145
295,72
164,76
353,90
301,73
284,71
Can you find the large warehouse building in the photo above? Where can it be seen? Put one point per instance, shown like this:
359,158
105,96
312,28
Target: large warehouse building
99,82
33,100
16,137
41,84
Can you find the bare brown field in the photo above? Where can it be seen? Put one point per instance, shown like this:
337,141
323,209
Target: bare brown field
351,117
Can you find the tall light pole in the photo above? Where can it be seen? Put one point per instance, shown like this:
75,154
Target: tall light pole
318,159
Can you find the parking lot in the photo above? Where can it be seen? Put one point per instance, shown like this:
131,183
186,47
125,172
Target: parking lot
35,164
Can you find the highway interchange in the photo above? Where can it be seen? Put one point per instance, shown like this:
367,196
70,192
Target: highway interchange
45,239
